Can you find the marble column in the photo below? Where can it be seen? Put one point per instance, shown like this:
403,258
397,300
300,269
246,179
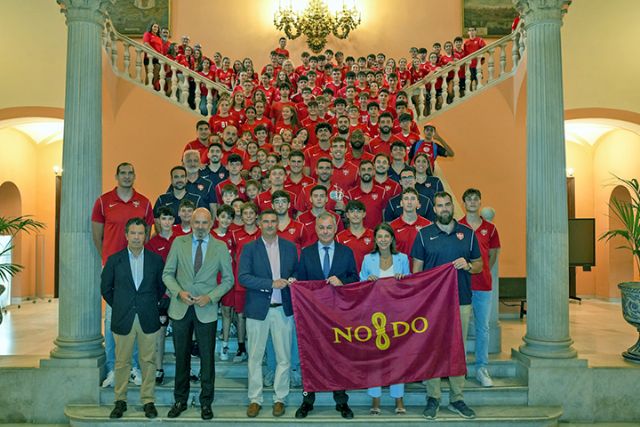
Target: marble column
79,331
547,227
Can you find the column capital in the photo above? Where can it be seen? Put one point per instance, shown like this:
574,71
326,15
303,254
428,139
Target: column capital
536,11
93,11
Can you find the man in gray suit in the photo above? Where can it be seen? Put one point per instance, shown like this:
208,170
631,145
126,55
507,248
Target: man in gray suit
191,276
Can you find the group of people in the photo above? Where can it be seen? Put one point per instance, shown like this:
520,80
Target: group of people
358,80
232,238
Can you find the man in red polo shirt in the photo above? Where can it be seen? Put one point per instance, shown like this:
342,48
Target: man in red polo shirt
407,225
357,237
277,175
297,181
372,195
381,166
473,44
201,143
382,142
318,197
111,212
288,228
481,284
336,194
345,174
282,44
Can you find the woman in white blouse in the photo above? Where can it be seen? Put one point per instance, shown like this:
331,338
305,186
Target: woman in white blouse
385,261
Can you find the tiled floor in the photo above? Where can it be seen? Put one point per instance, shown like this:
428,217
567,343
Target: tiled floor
598,329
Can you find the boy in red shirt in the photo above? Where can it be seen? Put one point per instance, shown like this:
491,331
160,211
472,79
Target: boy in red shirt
473,44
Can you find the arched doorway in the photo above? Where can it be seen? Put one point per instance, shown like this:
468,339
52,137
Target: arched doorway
620,260
10,206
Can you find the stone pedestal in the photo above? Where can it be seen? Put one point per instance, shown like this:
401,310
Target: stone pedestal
547,228
79,332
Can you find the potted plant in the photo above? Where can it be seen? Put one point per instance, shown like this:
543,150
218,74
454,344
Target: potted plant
628,213
12,226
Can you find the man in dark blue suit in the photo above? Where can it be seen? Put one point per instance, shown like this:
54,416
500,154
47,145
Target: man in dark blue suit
266,265
331,261
132,285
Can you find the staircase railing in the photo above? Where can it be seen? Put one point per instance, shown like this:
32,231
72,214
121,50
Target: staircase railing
172,81
495,63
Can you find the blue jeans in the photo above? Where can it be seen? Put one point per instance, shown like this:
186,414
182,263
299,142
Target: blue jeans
110,344
295,356
395,390
481,302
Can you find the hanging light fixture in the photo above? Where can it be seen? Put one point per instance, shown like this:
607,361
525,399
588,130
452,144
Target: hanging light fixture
316,21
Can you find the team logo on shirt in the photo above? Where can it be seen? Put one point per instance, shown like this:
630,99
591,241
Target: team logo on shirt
374,196
136,203
427,184
221,175
200,187
292,231
460,236
345,172
367,240
112,205
484,231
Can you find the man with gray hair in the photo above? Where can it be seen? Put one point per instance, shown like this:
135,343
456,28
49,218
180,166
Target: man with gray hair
334,262
197,184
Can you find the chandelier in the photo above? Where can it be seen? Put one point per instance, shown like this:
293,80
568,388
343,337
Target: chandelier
316,20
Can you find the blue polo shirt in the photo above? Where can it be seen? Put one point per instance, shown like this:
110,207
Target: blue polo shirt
394,210
215,177
435,247
430,187
172,202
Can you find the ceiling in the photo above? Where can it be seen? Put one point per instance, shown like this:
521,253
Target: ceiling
589,131
40,130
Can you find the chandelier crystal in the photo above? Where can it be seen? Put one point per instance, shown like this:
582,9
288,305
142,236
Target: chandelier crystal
316,21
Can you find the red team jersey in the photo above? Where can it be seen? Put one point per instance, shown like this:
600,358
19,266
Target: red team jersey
359,245
160,245
375,201
113,212
241,238
295,233
487,235
406,233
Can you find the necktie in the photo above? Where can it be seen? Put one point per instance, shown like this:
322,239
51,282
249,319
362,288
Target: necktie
197,263
326,265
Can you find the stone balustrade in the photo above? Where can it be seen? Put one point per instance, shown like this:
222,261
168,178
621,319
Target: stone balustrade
171,79
495,63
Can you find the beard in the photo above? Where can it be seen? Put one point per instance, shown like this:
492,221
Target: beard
366,178
343,129
357,145
385,129
445,218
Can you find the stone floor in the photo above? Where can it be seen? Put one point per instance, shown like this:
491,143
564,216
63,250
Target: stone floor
597,327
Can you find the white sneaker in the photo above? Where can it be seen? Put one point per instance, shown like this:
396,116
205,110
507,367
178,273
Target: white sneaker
224,354
296,379
268,378
483,377
108,382
136,376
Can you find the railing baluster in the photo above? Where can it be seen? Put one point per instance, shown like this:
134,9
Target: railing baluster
479,73
149,71
138,64
503,58
467,78
114,52
421,102
432,95
163,74
127,59
490,65
456,84
412,105
184,91
198,95
174,84
210,111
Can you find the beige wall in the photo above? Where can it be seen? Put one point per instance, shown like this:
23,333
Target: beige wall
601,55
34,39
30,167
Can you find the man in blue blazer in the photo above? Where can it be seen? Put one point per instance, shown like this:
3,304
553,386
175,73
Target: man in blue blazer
331,261
132,285
266,265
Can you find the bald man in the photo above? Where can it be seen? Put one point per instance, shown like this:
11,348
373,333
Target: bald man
191,276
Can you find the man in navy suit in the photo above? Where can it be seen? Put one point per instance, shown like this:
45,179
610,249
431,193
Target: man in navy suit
132,285
331,261
266,265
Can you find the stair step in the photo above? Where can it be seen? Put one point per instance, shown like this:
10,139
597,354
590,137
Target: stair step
233,391
497,367
94,415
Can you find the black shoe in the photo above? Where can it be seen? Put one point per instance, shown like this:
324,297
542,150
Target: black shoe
159,376
304,410
120,408
177,409
150,410
344,410
206,412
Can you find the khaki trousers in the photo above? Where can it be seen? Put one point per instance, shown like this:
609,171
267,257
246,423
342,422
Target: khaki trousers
280,327
147,353
456,383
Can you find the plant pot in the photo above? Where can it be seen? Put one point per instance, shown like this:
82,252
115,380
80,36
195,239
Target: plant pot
631,312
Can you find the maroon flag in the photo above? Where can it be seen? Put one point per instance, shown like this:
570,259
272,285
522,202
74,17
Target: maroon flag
379,333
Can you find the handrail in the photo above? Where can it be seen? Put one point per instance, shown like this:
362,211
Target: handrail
171,74
421,88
